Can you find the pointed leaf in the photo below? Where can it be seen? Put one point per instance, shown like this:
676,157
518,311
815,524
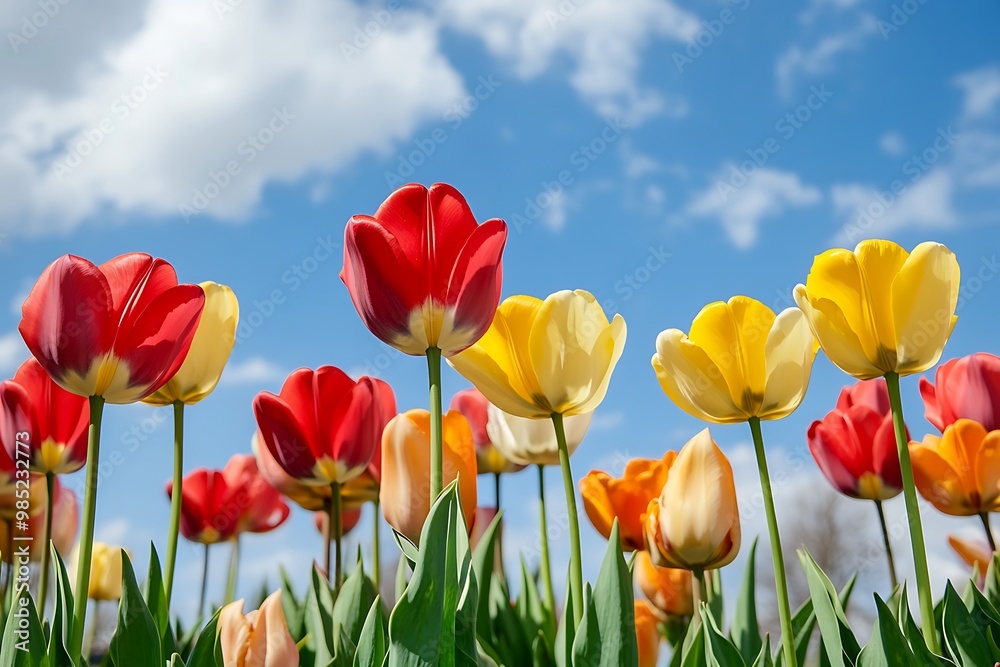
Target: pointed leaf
136,642
745,629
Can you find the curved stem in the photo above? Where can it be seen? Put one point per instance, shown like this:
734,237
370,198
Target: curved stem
434,380
780,583
546,564
234,569
89,517
338,532
327,534
175,501
43,582
576,560
376,560
989,532
913,517
204,585
888,544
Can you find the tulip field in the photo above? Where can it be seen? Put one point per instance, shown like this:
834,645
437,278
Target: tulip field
425,277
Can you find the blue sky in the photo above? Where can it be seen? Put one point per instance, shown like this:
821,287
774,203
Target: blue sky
661,157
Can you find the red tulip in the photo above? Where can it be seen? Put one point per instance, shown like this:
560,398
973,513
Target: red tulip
855,444
349,519
422,273
473,405
323,428
54,420
119,330
965,388
207,506
258,507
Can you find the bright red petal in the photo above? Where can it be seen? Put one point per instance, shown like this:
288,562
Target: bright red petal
885,456
474,288
284,436
352,426
932,407
18,417
453,225
60,415
831,443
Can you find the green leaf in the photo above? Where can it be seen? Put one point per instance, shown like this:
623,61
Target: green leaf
207,648
566,633
62,613
374,640
962,637
992,587
292,607
533,614
609,616
136,642
745,630
509,642
318,619
695,655
713,581
842,647
913,634
23,645
482,562
888,647
719,651
764,656
408,548
402,567
156,601
353,604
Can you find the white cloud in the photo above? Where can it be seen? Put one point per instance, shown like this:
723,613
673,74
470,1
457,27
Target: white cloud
13,352
817,8
819,59
252,370
195,86
892,143
982,91
740,210
604,421
603,42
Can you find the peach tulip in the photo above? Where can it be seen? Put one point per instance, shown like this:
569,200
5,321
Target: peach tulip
669,590
258,639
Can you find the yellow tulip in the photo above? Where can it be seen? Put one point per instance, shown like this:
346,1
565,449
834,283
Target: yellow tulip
540,358
959,472
880,309
533,441
105,573
259,639
406,468
695,523
210,349
739,361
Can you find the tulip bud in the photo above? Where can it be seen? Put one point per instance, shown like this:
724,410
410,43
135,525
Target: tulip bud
695,523
406,468
669,590
258,639
533,441
105,573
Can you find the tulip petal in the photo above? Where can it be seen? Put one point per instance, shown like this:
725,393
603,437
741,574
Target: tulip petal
350,427
453,226
692,380
835,335
616,333
789,352
285,437
879,262
988,471
924,298
234,633
474,286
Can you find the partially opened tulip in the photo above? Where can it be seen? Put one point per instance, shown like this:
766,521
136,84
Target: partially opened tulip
855,448
695,522
533,441
667,589
959,472
881,311
647,634
548,359
114,333
105,573
258,639
489,460
626,498
742,363
46,425
965,388
406,447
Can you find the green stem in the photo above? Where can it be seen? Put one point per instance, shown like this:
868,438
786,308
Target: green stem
234,569
496,481
700,590
43,588
913,517
989,532
89,517
888,544
576,559
338,532
327,534
546,564
204,585
781,585
175,501
376,560
434,378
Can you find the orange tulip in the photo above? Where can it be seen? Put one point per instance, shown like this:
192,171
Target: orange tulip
606,497
668,589
972,552
406,468
695,523
959,472
259,639
647,634
65,522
